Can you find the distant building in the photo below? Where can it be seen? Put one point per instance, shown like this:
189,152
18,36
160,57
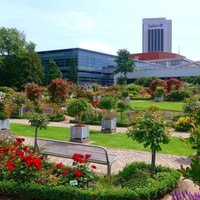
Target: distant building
156,35
92,66
163,65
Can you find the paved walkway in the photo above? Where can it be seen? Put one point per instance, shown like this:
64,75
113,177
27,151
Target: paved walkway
124,156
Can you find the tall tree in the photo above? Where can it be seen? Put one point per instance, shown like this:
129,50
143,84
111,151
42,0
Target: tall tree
13,42
52,72
27,68
73,74
124,63
19,63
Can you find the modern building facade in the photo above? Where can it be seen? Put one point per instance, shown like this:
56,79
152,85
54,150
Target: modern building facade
92,67
156,35
162,65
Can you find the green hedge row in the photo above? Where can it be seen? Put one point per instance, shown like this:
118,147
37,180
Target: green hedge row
165,180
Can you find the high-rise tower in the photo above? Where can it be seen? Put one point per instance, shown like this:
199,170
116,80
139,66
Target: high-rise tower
156,35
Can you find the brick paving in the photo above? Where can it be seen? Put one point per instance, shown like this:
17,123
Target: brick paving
124,156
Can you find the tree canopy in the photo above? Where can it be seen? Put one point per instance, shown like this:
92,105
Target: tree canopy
73,75
52,72
124,63
19,63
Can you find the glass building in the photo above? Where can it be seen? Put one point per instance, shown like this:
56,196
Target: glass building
92,67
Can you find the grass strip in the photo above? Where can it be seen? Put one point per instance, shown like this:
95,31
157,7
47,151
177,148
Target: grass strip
117,140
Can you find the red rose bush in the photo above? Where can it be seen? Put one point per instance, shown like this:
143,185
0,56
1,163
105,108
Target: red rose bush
20,163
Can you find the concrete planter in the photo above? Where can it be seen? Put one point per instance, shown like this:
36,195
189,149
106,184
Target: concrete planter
158,99
108,125
4,124
79,133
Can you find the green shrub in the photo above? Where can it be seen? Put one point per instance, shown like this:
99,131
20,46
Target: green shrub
177,95
116,187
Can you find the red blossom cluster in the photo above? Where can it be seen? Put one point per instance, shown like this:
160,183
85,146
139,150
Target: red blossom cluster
58,90
173,84
12,155
80,169
33,91
95,103
80,158
157,83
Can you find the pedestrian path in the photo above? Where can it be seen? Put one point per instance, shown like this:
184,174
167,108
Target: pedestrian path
124,156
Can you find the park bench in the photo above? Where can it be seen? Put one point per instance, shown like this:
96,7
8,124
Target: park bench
63,149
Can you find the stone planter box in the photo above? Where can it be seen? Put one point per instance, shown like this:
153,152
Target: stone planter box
4,124
79,134
108,125
158,99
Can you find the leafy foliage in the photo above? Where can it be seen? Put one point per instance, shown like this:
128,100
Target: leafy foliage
73,74
177,95
108,103
150,128
193,171
173,84
124,62
51,72
78,107
33,91
155,83
58,90
3,112
19,62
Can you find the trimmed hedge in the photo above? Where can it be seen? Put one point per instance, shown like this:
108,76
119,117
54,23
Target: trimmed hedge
164,181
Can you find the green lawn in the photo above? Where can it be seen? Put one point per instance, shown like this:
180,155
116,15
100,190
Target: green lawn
117,140
176,106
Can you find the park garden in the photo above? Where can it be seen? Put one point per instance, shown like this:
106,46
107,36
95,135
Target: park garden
149,113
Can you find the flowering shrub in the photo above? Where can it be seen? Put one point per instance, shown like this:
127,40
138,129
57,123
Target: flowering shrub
185,195
33,91
21,164
173,84
79,174
18,162
58,90
19,98
183,123
157,83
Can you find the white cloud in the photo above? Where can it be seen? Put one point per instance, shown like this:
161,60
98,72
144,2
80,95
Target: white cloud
97,46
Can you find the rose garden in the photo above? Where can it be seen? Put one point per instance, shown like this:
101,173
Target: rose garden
25,174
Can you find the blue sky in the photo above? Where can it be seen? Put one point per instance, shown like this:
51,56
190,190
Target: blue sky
102,25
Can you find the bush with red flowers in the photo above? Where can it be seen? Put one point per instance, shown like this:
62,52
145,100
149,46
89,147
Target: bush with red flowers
18,162
21,164
173,84
33,91
156,83
58,89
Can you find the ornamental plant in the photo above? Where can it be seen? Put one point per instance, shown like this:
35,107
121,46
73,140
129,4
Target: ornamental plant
58,90
77,107
151,129
39,121
185,195
173,84
156,83
20,163
192,172
108,103
33,91
184,123
80,174
3,112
